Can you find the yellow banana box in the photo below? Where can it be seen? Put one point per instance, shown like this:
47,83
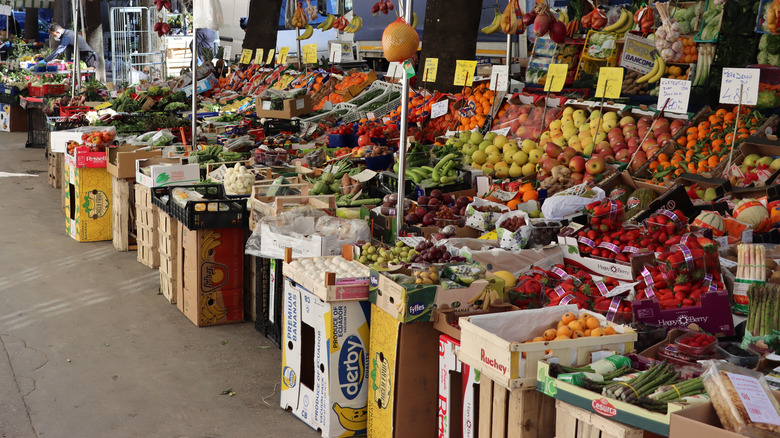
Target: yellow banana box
87,193
403,385
325,361
210,266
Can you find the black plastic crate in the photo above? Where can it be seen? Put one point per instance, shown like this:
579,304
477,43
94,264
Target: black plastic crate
276,126
214,211
268,303
37,129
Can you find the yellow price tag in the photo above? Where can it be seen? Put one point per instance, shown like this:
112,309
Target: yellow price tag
310,53
270,58
103,105
259,56
556,77
431,67
464,73
246,56
283,55
610,83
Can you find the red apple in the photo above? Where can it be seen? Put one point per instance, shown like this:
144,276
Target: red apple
577,164
595,165
569,151
565,158
652,151
622,156
647,144
552,149
615,134
606,152
619,146
601,146
548,163
644,121
661,137
639,160
576,177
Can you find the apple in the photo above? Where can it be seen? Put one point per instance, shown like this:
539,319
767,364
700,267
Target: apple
548,163
600,146
619,146
614,134
553,150
639,160
576,177
595,165
606,152
644,121
569,150
622,156
565,158
627,120
650,153
751,160
647,144
661,123
663,136
577,164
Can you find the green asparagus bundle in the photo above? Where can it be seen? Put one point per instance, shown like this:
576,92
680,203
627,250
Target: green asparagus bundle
660,399
764,309
643,385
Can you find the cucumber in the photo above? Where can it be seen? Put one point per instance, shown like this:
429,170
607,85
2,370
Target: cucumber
414,177
447,158
428,169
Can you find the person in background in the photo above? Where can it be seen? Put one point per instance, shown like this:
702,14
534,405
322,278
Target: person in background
68,37
205,38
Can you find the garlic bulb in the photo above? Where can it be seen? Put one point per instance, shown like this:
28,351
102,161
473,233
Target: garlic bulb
238,180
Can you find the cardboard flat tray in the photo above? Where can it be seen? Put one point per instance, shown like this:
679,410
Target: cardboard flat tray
327,290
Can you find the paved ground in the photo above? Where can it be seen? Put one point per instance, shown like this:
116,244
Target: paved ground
89,349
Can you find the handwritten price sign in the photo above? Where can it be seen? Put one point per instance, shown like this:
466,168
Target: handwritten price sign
309,53
259,56
431,67
556,77
733,80
610,83
499,78
246,56
677,91
283,55
464,73
270,58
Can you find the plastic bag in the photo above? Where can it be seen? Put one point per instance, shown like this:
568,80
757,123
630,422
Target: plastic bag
742,399
162,138
514,240
570,201
484,221
208,14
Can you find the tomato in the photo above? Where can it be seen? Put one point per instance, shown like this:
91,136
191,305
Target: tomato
364,140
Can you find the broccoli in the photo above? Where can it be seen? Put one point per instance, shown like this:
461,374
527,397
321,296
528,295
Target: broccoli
774,60
762,43
773,44
766,100
763,58
175,106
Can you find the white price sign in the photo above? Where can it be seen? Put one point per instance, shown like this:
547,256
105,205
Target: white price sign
335,53
677,91
736,79
439,109
226,52
395,70
499,78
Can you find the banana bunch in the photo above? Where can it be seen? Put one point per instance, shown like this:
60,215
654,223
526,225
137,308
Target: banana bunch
484,297
563,17
622,25
495,25
656,73
208,242
328,23
354,25
306,33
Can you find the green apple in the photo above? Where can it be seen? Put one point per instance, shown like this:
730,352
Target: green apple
468,149
479,156
476,138
490,136
483,145
465,136
775,164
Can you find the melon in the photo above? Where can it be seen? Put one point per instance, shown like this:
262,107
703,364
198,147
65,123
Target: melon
712,220
509,279
751,212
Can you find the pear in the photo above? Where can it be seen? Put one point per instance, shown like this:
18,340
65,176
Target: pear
710,195
515,171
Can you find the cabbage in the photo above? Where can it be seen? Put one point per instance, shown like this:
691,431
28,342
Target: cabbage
763,58
763,42
766,100
773,44
774,60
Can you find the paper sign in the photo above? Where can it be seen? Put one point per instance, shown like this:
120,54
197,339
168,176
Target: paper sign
335,53
556,77
270,58
638,54
464,73
283,55
394,70
259,56
246,56
103,105
310,53
439,109
431,67
677,91
499,78
226,52
730,85
610,83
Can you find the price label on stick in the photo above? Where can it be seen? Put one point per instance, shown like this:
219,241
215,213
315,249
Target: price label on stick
283,55
499,78
439,109
270,58
394,70
335,53
226,51
556,77
733,80
259,56
431,67
464,73
677,91
310,53
610,83
246,56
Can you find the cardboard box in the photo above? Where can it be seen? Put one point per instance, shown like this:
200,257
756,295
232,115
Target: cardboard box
325,362
210,267
403,384
495,343
87,193
713,315
450,412
471,400
12,118
701,420
571,254
120,160
292,108
328,290
446,320
166,171
203,85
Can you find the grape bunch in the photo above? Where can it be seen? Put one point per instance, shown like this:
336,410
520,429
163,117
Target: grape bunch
427,252
380,257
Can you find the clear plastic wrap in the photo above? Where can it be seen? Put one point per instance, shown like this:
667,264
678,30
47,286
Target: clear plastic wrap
742,399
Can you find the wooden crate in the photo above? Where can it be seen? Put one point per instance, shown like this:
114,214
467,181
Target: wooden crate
168,240
280,204
505,413
574,422
148,256
56,164
124,222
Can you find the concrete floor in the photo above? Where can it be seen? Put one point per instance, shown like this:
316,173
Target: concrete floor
89,349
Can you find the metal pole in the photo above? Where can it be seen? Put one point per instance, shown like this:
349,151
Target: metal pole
194,82
300,54
399,212
76,60
508,61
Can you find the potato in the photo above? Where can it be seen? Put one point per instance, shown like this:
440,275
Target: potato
771,264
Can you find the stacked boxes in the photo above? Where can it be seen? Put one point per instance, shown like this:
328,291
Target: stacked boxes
168,244
87,197
146,227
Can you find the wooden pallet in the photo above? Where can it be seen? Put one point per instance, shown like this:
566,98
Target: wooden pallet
505,413
168,240
124,226
56,164
146,215
574,422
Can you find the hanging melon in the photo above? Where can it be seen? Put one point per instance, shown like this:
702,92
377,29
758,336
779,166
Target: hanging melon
752,212
712,220
399,41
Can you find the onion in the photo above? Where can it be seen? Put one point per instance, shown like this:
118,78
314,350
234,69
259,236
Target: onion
529,17
399,41
542,25
558,32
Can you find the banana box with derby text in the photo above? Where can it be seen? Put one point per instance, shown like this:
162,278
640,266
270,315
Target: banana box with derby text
210,264
87,194
324,372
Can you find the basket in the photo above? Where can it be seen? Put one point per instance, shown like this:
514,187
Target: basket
53,88
67,111
214,211
35,91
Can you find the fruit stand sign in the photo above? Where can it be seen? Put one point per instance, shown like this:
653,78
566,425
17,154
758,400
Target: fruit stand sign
283,55
246,56
610,83
335,53
733,80
637,54
270,58
394,70
259,56
677,91
439,109
556,77
431,67
464,73
309,53
499,78
226,51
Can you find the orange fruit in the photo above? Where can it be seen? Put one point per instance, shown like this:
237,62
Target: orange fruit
597,332
610,330
564,331
539,339
550,334
592,323
587,332
568,317
562,337
560,323
576,326
577,334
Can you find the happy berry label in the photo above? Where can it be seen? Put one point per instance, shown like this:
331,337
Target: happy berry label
566,300
586,241
610,246
631,249
602,288
559,272
613,308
